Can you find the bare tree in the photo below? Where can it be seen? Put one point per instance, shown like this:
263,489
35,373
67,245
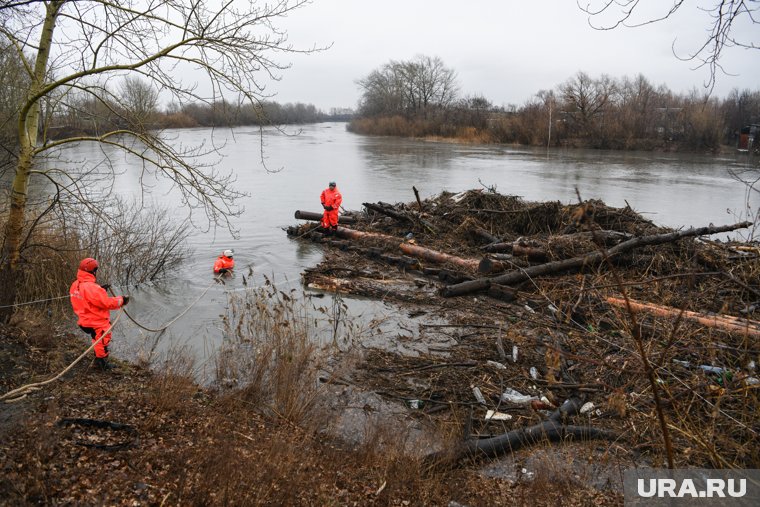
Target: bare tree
588,100
139,99
193,50
727,19
411,87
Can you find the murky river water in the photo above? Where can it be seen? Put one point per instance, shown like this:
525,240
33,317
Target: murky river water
672,190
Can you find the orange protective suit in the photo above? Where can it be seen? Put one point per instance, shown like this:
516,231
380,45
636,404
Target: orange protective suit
223,262
330,198
93,306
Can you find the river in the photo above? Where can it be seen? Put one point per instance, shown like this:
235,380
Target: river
671,189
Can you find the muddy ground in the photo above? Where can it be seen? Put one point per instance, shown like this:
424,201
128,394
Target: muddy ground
556,337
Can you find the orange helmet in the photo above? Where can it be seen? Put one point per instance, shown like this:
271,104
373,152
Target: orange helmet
89,264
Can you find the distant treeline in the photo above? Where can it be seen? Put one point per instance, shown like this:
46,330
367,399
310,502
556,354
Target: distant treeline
95,118
130,104
420,98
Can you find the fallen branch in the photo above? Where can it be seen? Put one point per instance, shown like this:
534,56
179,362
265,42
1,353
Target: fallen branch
388,212
592,259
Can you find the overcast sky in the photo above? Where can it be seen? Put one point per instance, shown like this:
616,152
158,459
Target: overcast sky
505,50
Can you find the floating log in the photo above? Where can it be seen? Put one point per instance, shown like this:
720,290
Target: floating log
309,215
591,259
725,322
438,257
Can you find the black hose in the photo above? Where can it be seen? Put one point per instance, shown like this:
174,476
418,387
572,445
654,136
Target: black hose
131,441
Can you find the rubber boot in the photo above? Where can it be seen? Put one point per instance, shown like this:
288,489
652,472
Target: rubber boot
102,364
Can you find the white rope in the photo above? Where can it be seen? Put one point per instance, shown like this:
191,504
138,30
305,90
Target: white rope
21,392
37,301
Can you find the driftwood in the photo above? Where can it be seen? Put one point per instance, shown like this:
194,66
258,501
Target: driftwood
388,212
552,430
346,233
726,322
439,257
309,215
592,259
387,209
417,196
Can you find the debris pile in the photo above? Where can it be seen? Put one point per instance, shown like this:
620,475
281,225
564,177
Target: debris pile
651,334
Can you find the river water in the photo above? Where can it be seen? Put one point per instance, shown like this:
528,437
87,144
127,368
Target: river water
670,189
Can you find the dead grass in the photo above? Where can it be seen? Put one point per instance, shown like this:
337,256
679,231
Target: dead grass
271,353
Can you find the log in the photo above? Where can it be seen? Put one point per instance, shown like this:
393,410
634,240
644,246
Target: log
387,209
725,322
438,257
346,233
309,215
388,212
591,259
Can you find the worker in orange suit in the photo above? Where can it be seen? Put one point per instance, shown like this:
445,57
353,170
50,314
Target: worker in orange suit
93,306
331,200
224,263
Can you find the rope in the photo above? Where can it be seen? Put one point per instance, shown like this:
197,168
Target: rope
21,392
175,319
36,301
147,282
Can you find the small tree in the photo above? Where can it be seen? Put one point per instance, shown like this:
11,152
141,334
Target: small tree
71,50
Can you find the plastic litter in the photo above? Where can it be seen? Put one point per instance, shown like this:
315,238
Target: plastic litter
516,397
533,373
492,415
415,404
587,407
514,353
478,395
496,365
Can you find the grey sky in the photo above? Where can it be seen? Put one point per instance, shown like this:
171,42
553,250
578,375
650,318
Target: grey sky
505,50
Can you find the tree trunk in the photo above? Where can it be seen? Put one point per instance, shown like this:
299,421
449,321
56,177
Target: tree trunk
591,259
28,125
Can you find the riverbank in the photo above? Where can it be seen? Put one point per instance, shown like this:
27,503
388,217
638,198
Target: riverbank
479,359
136,437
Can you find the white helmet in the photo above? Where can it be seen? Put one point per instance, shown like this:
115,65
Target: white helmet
228,253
